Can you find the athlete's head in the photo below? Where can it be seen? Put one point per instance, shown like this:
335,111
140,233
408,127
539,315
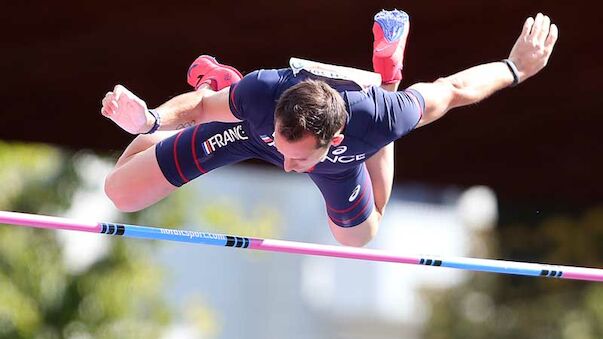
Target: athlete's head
309,118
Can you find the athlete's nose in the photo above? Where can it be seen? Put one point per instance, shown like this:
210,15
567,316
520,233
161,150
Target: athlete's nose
289,165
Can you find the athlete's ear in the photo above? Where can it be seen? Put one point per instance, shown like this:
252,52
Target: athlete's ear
337,139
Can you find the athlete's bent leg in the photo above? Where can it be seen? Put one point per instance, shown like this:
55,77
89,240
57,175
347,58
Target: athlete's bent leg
142,178
137,181
390,32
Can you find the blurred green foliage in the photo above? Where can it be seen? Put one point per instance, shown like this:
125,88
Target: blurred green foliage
119,296
501,306
116,297
222,215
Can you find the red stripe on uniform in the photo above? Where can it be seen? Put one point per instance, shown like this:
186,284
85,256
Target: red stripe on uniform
176,159
358,200
416,101
195,152
347,221
232,92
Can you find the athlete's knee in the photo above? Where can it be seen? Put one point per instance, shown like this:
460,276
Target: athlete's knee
122,199
137,183
356,236
116,195
353,241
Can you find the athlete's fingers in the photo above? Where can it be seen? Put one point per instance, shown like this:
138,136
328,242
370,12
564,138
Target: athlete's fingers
104,101
113,105
119,91
107,107
106,112
527,27
537,27
106,97
552,38
544,31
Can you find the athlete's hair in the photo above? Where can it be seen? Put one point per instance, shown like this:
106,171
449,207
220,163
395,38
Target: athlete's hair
310,107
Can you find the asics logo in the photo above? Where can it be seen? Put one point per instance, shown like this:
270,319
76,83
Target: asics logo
340,150
354,194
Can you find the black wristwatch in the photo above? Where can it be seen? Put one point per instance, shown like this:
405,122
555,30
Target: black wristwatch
513,70
157,122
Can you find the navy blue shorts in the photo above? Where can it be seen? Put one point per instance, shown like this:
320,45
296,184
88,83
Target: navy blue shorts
199,149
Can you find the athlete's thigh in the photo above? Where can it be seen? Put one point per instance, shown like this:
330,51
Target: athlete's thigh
348,195
202,148
350,204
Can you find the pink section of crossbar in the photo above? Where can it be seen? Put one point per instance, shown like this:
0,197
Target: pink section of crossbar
328,250
41,221
584,275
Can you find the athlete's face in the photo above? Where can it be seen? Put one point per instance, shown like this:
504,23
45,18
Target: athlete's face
301,155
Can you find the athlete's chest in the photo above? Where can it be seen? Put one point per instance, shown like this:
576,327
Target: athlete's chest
351,152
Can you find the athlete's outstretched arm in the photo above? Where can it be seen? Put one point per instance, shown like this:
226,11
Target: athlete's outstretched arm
131,114
530,54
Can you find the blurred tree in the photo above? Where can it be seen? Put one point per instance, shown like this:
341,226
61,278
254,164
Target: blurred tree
216,215
500,306
117,297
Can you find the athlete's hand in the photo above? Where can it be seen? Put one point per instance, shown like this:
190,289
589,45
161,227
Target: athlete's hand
534,46
127,110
